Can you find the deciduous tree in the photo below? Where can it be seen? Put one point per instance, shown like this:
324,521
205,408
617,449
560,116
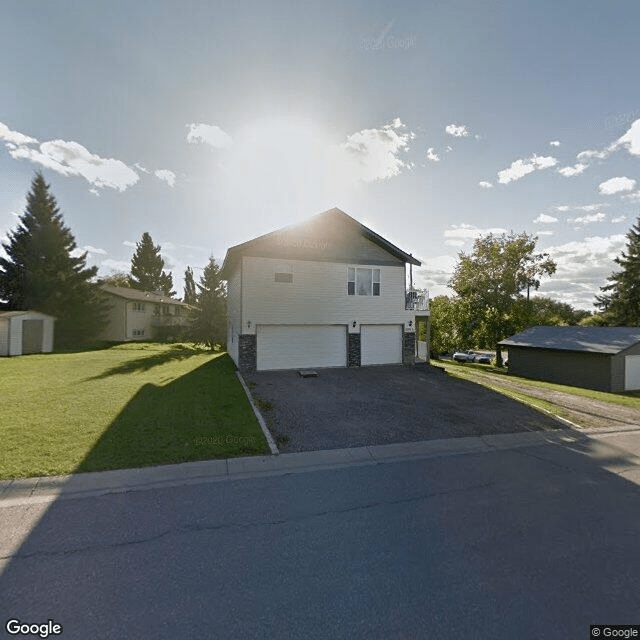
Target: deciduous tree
491,280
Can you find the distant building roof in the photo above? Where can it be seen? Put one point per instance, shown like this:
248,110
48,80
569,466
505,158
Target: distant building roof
589,339
142,296
13,314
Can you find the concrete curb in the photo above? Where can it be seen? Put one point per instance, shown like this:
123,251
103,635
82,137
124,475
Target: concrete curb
263,425
51,488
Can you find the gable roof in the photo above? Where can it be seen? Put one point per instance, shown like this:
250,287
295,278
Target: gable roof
141,296
330,220
13,314
608,340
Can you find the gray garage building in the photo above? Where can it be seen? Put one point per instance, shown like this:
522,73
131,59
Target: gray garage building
601,358
23,332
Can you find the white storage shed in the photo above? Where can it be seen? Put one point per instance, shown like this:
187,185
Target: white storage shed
24,332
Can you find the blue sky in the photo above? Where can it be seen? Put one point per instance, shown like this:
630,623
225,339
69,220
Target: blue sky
207,124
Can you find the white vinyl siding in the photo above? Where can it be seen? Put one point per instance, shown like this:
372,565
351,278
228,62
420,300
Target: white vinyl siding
234,320
301,346
631,373
381,344
318,295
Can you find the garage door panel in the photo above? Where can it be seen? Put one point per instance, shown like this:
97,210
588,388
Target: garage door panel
632,373
381,344
301,346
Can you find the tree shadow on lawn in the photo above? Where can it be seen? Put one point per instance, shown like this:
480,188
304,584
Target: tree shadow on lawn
144,363
201,415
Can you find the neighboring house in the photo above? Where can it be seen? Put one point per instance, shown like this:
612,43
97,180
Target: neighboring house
326,293
602,358
24,332
141,315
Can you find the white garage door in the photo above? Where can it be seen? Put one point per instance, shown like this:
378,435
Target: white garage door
380,344
301,346
631,373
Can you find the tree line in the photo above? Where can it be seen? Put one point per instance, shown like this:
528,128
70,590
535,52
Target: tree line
44,270
493,285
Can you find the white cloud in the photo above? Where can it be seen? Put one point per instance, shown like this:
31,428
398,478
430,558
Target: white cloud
72,159
454,243
128,243
14,138
93,250
166,176
138,166
583,267
485,185
592,217
108,266
468,232
616,185
544,233
449,148
631,139
434,274
95,192
576,170
374,154
209,134
585,207
457,131
633,197
432,155
618,219
555,143
543,218
520,168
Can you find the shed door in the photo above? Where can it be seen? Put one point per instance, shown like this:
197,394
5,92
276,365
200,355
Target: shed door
32,331
381,344
301,346
631,373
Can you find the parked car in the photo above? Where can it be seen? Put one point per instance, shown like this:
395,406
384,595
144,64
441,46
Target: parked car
465,356
483,358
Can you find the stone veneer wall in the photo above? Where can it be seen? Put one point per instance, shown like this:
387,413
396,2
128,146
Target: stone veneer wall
247,352
353,350
408,348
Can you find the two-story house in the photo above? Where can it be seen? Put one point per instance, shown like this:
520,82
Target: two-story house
326,293
141,315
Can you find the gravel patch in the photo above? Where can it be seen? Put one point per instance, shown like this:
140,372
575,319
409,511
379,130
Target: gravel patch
382,405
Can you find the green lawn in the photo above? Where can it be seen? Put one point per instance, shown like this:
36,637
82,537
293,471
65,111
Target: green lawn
130,405
480,373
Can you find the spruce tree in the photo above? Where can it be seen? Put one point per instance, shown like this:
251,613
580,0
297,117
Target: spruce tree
620,301
44,271
210,321
190,296
147,268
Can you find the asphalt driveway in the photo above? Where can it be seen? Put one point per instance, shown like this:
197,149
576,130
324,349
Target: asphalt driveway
381,405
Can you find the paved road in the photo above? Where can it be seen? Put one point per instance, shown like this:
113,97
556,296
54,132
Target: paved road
532,542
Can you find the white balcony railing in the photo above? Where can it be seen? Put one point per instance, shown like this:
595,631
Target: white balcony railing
417,300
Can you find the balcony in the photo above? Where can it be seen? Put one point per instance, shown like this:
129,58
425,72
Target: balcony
417,300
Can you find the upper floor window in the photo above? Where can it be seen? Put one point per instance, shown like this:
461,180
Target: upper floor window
138,306
283,273
363,281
